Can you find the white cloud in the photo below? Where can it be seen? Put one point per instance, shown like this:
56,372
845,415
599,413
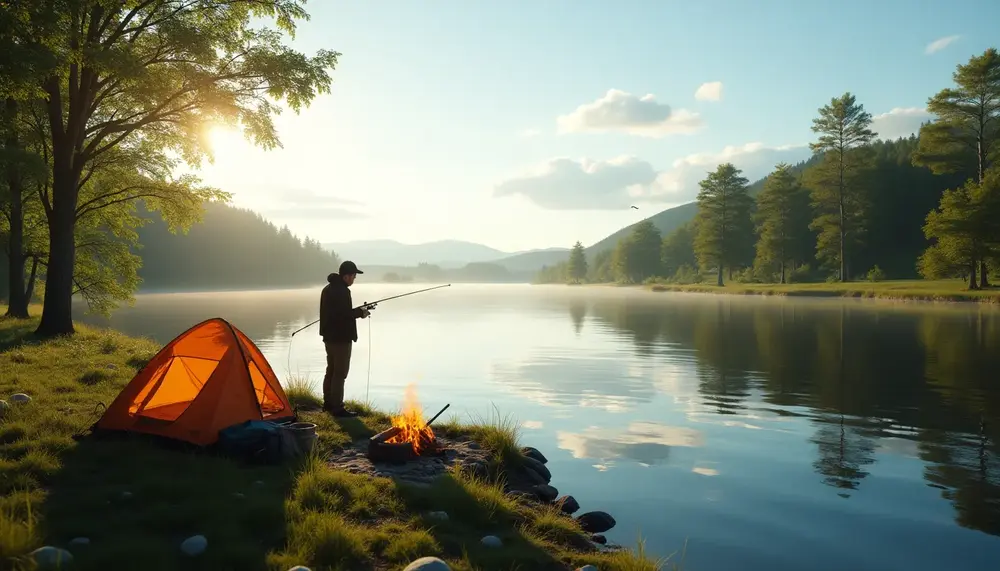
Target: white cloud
711,91
295,203
644,442
619,111
568,184
940,44
900,122
530,133
679,183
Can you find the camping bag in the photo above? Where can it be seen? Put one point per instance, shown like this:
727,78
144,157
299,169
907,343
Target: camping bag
255,441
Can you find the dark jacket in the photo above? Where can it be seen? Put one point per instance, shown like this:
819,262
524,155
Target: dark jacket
337,315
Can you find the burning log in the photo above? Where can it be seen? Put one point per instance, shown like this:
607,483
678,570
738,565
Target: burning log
409,438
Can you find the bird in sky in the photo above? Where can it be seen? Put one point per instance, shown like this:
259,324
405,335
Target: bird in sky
636,207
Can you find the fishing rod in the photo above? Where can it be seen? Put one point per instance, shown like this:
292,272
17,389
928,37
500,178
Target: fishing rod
371,305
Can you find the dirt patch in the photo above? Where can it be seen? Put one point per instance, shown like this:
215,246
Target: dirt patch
464,453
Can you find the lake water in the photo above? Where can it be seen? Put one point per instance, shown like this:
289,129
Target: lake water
767,434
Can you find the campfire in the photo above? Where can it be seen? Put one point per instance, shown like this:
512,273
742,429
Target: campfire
409,438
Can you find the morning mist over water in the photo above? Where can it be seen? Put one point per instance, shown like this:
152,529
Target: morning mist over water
767,433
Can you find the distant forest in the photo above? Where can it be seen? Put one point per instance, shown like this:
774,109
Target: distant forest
859,209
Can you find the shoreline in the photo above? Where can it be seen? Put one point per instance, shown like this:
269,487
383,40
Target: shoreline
938,291
487,505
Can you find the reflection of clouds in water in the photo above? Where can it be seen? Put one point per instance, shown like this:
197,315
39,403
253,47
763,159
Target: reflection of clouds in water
644,442
554,377
533,424
899,446
705,469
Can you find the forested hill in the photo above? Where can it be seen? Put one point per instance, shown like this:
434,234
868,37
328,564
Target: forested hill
231,248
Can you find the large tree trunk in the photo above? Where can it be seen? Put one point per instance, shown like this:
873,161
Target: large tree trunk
972,276
57,309
984,279
719,276
782,272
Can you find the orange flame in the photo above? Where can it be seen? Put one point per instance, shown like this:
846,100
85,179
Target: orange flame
413,427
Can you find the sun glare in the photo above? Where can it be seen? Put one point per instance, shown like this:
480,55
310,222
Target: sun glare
223,139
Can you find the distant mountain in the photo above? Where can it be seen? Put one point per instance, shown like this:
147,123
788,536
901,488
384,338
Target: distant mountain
444,253
666,221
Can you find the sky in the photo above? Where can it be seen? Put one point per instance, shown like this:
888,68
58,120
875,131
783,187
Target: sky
525,124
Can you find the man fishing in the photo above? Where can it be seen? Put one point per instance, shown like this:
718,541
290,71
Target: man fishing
339,328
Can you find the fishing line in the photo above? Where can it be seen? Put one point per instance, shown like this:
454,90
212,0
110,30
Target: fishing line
369,383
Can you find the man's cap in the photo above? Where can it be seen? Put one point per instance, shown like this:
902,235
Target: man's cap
348,267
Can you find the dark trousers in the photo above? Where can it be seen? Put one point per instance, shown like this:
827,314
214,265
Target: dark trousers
338,364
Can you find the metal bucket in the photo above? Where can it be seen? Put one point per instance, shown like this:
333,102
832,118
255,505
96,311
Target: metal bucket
304,434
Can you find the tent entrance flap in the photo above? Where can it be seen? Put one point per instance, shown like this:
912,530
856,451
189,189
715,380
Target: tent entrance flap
173,388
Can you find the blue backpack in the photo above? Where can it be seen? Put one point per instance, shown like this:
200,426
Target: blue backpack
255,441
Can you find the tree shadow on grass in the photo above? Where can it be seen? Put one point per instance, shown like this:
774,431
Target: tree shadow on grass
476,510
17,333
136,500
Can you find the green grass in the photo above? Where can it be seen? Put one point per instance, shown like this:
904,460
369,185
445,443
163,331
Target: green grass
54,488
913,290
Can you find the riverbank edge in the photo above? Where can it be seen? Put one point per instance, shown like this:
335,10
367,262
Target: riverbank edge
54,486
872,292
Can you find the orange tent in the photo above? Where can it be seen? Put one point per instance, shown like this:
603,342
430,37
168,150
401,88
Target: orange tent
209,377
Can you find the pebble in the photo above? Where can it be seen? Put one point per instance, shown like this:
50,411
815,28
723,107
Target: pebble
427,564
568,504
126,495
3,405
20,397
49,557
443,516
586,568
259,482
194,545
598,539
530,452
534,476
545,492
239,495
300,568
596,522
79,541
491,541
538,467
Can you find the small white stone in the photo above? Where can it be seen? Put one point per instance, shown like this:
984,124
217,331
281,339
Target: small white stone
428,564
300,568
4,405
19,397
79,541
443,516
587,568
49,557
492,541
194,545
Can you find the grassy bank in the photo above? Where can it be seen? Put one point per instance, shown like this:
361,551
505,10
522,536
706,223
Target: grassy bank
136,502
901,290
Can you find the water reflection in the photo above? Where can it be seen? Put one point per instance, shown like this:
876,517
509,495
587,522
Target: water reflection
860,371
646,442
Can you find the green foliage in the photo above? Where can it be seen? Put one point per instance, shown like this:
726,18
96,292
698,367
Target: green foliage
782,222
558,273
838,182
677,250
725,232
964,228
155,77
601,270
577,268
965,134
876,274
637,257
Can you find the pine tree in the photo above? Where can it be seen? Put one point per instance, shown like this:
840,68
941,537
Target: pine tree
637,256
577,263
782,220
965,136
723,220
838,189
